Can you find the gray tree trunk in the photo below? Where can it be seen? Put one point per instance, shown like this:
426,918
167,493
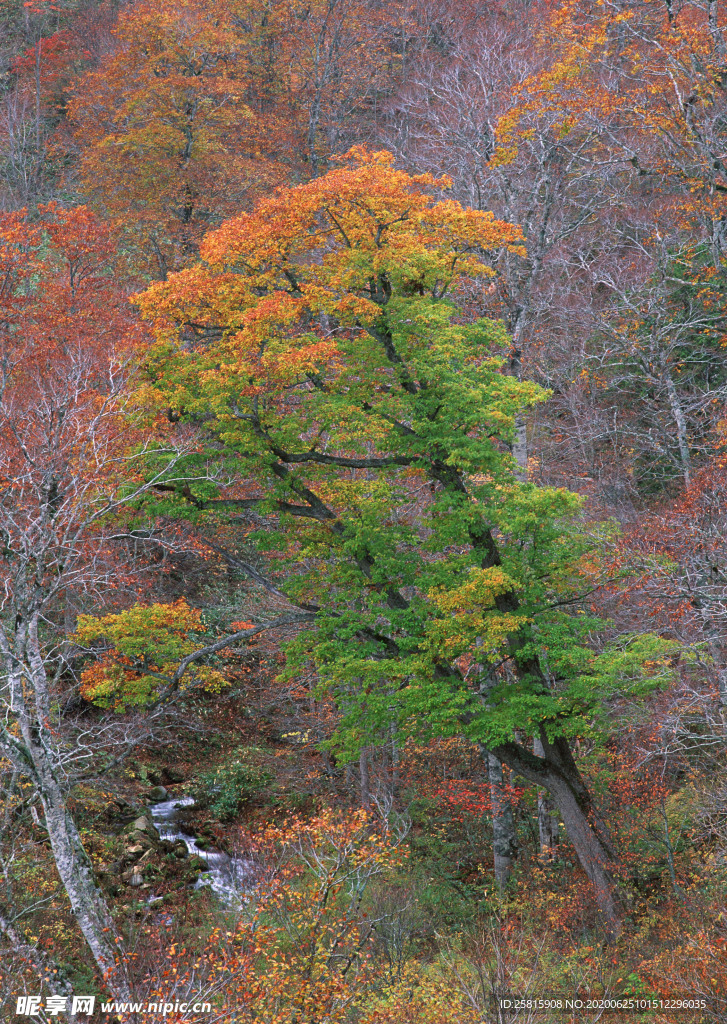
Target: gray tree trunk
716,652
680,422
722,677
547,815
88,903
504,841
520,439
363,764
520,448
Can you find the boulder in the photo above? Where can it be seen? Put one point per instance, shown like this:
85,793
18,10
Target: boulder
172,775
157,794
140,839
145,825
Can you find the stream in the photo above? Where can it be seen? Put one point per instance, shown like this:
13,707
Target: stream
228,877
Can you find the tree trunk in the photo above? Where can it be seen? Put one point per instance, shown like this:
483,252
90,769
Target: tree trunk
504,843
722,681
395,758
520,439
547,816
713,633
680,421
365,784
520,448
87,901
557,772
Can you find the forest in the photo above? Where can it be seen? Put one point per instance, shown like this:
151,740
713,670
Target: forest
363,511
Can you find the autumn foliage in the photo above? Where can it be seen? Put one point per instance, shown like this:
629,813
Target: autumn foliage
362,488
144,646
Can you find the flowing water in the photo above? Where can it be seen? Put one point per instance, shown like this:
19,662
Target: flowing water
229,877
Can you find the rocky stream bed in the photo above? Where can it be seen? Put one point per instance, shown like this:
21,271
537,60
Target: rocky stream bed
157,843
228,876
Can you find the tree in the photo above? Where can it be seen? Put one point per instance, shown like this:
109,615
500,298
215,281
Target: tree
335,57
651,75
661,360
169,145
322,335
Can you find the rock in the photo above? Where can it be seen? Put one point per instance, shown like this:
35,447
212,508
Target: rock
157,794
136,879
137,848
172,775
140,839
198,864
124,812
180,851
144,825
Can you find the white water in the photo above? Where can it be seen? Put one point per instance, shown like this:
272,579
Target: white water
229,877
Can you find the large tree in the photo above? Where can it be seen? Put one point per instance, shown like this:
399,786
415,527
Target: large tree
326,343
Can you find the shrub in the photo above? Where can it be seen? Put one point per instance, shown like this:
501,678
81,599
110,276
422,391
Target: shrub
230,785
